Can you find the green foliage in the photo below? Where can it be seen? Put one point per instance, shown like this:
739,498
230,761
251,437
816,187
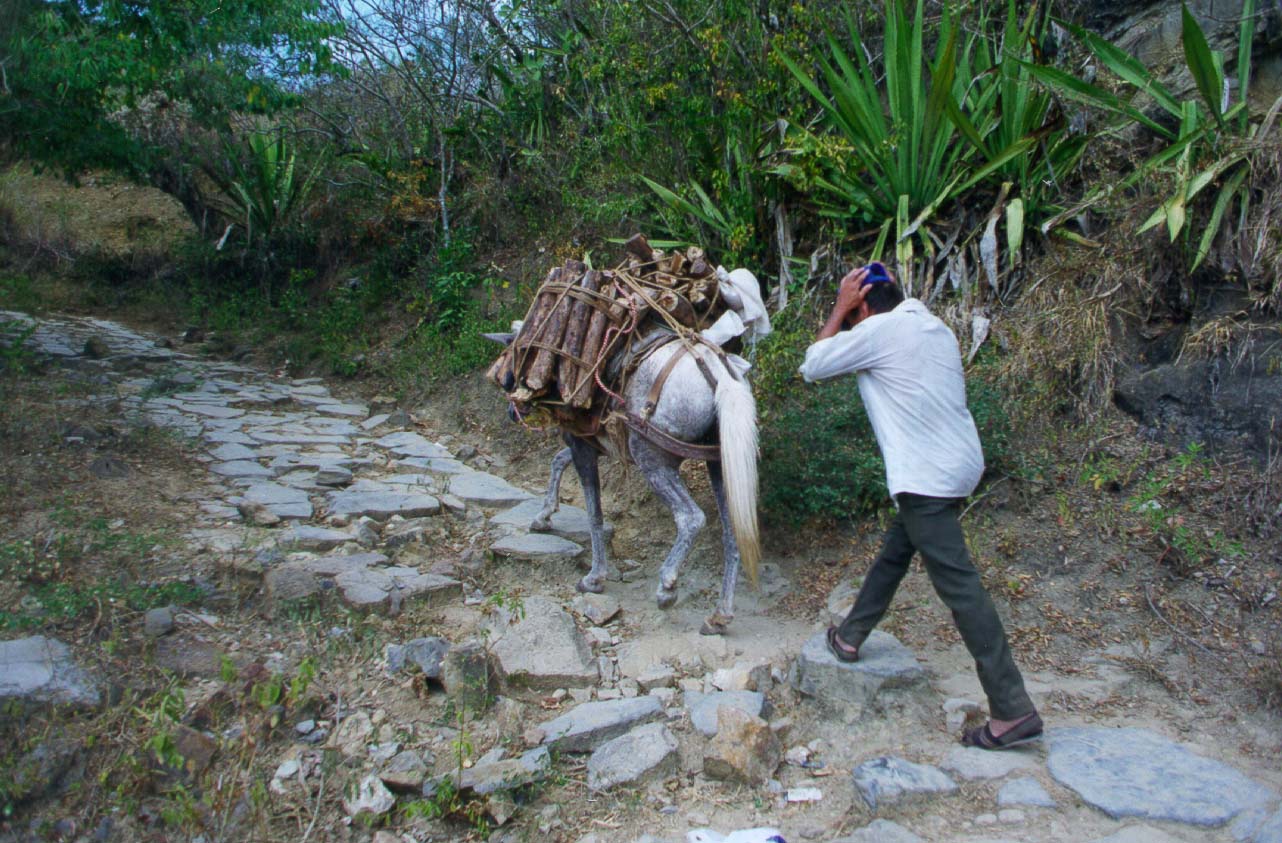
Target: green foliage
1004,110
894,161
1211,143
265,191
74,68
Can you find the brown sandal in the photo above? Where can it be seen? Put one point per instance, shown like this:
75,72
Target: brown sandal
840,650
1027,730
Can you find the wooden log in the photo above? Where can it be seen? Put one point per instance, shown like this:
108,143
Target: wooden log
549,339
585,387
501,369
639,247
569,370
532,326
700,268
677,306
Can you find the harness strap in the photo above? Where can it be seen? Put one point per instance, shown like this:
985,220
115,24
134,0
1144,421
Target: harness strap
656,388
686,450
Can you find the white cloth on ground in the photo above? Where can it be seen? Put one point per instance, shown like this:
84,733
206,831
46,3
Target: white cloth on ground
910,378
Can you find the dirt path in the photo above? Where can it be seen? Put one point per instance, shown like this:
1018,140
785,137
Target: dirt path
341,530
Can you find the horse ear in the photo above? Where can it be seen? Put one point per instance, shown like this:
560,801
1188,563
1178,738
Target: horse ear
501,339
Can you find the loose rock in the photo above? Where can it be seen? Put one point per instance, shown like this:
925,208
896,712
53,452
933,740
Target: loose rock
1025,791
744,749
42,669
885,668
888,780
588,726
703,708
649,751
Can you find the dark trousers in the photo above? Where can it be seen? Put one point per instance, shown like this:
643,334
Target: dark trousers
931,526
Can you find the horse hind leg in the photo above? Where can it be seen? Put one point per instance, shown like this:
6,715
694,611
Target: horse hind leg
661,472
542,522
719,620
585,463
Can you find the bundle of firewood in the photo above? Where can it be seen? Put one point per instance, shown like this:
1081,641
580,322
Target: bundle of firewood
581,317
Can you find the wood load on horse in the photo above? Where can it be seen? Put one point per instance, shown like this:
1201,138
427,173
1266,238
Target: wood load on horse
620,360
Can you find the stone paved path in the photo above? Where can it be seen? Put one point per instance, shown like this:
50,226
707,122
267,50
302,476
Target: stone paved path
345,490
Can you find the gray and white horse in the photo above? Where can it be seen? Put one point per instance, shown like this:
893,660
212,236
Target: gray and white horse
687,409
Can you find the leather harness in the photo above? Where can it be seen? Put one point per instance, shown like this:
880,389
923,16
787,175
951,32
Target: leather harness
640,424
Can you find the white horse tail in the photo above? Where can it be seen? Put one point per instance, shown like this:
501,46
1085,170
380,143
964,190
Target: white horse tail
737,426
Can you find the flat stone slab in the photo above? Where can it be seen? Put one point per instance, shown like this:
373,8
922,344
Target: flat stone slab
586,727
974,763
407,444
543,650
285,437
378,589
306,537
353,410
1138,834
1258,825
436,465
241,468
1137,773
42,669
284,501
486,489
382,505
536,546
702,708
648,751
568,522
1024,792
230,451
889,780
884,665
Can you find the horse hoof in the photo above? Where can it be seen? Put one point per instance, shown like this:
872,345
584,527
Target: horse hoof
586,585
666,598
715,625
541,525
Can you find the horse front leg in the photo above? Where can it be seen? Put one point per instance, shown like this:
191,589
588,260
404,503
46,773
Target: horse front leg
542,522
716,623
661,472
585,463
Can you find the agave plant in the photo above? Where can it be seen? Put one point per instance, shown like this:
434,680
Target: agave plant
1003,111
1211,144
266,189
902,157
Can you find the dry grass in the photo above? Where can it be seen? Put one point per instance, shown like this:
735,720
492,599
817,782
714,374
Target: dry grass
104,215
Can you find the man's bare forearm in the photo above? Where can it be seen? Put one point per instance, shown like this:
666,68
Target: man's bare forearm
835,320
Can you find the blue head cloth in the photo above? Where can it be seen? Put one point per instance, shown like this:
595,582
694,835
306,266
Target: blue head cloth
877,274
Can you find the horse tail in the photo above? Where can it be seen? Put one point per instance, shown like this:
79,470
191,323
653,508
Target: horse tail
737,426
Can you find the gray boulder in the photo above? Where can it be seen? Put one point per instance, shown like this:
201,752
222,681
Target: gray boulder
586,727
648,751
885,670
888,780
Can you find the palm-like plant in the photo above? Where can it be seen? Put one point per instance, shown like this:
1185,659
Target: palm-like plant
904,159
1212,141
266,189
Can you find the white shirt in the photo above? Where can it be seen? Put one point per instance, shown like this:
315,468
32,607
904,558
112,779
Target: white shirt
910,379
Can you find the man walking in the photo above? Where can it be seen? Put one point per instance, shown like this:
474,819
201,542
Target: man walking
910,379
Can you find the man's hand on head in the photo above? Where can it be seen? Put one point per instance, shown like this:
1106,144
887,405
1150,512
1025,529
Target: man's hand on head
852,291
